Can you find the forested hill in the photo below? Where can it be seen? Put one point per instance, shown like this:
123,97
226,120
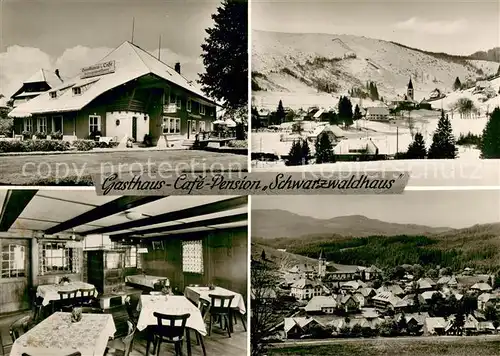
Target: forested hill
477,246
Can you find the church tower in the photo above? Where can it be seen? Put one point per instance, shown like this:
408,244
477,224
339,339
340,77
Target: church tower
409,90
321,265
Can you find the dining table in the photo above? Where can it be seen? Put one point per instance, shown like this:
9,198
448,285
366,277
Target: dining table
49,292
195,293
170,305
57,335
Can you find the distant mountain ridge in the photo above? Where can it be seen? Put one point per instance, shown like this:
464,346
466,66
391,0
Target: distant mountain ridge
303,62
489,55
268,224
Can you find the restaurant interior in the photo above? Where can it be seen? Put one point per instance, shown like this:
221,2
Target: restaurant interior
83,274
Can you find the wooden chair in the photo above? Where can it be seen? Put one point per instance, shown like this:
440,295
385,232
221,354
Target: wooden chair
220,306
168,332
87,296
37,304
20,326
127,342
236,312
204,307
133,314
67,300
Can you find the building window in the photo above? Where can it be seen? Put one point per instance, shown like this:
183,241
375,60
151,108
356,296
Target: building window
171,125
193,126
202,126
175,99
192,256
131,257
94,123
77,91
57,258
13,261
42,124
53,94
28,124
188,105
202,109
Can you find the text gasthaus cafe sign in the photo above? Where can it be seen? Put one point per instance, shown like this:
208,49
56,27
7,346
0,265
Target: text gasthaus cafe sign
98,69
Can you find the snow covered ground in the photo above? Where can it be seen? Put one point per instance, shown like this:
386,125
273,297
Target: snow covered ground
388,137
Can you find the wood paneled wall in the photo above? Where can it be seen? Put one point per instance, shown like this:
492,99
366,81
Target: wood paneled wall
225,257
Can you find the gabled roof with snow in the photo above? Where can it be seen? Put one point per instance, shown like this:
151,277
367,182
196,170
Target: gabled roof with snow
390,298
305,283
131,62
482,287
300,321
318,302
435,323
44,75
377,110
392,288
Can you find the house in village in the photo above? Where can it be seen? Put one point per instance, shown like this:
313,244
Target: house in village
352,286
450,281
299,326
321,304
435,326
425,284
391,288
305,289
303,270
128,93
425,297
358,149
349,303
387,301
488,298
334,133
371,273
377,114
481,287
40,82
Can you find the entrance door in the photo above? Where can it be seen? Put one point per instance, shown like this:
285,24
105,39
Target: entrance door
58,124
15,268
134,128
189,128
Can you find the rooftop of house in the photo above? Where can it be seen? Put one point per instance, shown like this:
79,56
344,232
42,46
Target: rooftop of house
318,302
377,110
304,283
131,62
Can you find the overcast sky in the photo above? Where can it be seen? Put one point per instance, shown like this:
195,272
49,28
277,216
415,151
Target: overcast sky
455,209
455,27
70,34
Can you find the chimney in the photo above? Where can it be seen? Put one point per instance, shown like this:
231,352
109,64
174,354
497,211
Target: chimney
178,67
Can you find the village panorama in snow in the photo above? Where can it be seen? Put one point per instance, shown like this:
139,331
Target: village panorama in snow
379,81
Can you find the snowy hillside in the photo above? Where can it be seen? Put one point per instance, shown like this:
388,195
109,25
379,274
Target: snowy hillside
288,65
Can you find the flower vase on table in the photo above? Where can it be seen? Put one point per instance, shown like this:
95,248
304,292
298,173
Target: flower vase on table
211,286
76,315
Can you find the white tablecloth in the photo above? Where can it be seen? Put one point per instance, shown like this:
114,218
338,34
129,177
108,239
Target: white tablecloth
171,305
146,280
57,335
195,293
49,291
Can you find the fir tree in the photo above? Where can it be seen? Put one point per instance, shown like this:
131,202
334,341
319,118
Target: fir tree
357,113
280,113
416,149
225,55
443,142
324,149
457,85
345,110
305,152
295,154
263,255
490,141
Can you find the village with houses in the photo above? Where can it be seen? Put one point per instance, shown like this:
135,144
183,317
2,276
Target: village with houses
342,301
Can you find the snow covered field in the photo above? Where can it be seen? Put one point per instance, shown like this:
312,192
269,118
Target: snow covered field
389,137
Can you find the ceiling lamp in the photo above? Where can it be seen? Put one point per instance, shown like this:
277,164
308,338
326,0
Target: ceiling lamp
132,215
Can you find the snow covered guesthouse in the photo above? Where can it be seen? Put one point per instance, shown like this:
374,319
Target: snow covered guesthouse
129,93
